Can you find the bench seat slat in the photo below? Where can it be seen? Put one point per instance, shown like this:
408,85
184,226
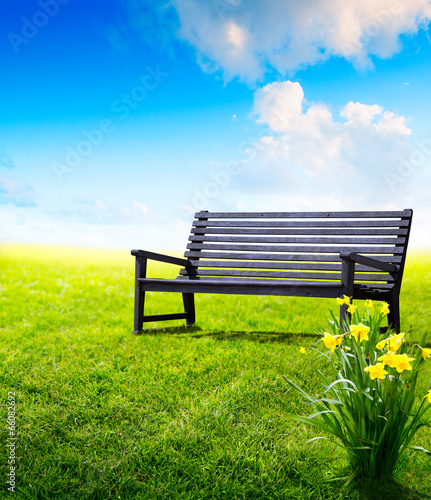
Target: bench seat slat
374,286
276,257
299,275
323,223
328,231
302,266
299,248
280,239
307,215
279,283
244,287
233,280
257,287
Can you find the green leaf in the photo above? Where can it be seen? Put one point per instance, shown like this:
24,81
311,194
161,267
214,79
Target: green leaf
315,423
338,381
419,448
320,413
307,396
326,439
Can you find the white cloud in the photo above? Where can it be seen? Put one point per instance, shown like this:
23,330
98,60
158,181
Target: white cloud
236,37
316,144
279,105
15,191
393,124
356,112
6,161
246,38
315,158
92,223
97,212
141,207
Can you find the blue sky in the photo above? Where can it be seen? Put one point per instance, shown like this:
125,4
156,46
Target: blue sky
120,119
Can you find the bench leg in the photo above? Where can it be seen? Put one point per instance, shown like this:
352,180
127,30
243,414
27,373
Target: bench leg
345,316
189,308
394,314
140,272
139,310
347,279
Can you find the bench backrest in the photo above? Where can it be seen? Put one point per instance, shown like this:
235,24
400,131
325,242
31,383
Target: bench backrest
296,246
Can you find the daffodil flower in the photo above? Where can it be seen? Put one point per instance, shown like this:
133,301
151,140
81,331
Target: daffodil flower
395,342
352,309
369,304
390,359
332,341
302,350
385,308
344,300
403,363
360,332
428,395
381,345
426,353
376,371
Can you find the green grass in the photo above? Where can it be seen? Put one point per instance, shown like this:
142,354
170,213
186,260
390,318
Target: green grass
196,414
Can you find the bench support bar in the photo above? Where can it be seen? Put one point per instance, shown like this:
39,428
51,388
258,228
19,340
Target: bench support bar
348,276
140,274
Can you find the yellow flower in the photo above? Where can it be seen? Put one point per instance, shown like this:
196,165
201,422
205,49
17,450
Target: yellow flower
385,308
390,359
352,309
302,350
428,395
332,341
376,371
426,353
403,362
360,331
395,341
381,344
344,300
369,304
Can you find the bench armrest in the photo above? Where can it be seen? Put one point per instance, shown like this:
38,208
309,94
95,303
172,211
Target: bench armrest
369,261
161,258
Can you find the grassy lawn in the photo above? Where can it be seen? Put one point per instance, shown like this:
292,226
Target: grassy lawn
173,413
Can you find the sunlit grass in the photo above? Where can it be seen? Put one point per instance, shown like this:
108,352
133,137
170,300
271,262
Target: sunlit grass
103,413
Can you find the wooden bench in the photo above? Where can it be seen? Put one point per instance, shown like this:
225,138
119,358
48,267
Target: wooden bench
315,254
